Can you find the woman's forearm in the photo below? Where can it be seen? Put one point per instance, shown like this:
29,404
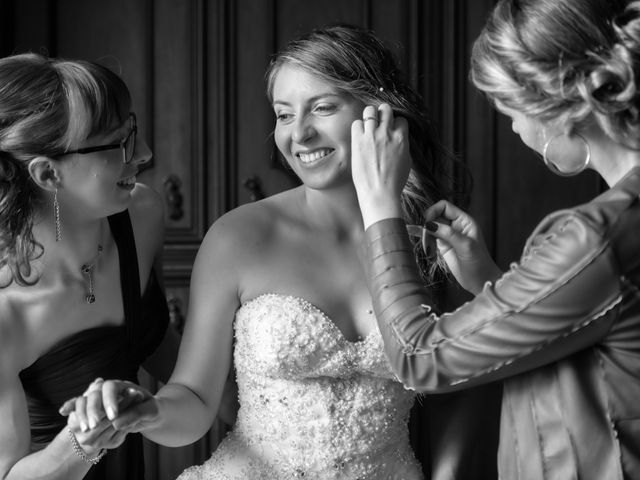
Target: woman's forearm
183,417
556,301
57,461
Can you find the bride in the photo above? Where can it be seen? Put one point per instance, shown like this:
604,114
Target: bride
278,286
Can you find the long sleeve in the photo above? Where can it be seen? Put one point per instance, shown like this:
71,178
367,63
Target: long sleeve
556,301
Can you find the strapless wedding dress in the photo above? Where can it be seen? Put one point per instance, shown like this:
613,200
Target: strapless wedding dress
313,405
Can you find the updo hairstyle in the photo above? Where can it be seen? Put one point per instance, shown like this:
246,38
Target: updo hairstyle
568,62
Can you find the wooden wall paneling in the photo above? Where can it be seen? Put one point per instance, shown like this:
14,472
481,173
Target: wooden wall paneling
391,22
526,191
178,98
220,92
479,136
427,22
7,28
516,211
254,120
452,72
294,17
115,34
33,26
179,172
259,168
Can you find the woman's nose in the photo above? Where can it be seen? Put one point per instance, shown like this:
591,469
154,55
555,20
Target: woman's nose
303,130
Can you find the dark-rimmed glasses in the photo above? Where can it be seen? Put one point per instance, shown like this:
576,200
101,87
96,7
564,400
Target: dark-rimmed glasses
127,144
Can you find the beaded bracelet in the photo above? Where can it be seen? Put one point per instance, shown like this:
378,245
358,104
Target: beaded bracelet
80,452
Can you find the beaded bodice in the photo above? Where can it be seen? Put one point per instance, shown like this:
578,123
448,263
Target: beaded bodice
315,404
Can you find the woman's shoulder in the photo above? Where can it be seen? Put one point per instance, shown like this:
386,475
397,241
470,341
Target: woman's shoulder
250,226
589,227
260,217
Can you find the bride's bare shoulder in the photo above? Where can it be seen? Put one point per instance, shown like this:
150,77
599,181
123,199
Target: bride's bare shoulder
250,226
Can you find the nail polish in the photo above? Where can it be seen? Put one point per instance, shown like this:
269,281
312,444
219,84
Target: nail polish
431,226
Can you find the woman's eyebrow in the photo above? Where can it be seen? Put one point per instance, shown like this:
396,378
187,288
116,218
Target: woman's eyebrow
315,98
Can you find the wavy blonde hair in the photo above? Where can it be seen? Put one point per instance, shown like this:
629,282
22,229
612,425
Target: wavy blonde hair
565,61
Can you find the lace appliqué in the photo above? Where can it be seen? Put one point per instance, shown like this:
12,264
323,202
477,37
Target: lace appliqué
313,405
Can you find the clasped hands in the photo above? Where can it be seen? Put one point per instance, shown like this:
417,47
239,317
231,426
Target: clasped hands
380,164
106,412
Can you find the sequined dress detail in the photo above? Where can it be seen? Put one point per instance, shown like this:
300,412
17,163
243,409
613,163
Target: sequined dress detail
313,405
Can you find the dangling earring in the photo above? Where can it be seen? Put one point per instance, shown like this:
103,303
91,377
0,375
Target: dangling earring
554,168
56,214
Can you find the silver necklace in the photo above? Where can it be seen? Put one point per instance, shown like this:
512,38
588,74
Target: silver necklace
87,270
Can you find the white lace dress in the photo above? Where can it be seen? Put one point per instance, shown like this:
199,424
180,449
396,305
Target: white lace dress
313,405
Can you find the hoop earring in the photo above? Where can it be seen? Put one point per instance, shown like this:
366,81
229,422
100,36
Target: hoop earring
554,168
56,215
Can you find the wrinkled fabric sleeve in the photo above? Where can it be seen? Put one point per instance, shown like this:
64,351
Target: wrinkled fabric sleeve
557,300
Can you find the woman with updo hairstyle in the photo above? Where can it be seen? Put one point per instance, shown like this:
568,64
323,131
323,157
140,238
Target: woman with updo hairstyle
562,326
80,245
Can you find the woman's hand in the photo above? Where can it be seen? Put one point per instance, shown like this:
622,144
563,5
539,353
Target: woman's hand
461,245
88,422
380,162
125,406
92,440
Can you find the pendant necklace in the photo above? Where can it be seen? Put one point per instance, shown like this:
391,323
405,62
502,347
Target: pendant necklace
87,270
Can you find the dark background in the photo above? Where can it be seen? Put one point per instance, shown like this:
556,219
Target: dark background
196,72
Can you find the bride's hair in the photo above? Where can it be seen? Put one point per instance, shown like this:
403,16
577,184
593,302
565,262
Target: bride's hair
356,62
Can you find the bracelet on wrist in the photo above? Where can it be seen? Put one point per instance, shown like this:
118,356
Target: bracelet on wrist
80,452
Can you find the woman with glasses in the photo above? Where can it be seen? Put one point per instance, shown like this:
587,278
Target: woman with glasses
80,245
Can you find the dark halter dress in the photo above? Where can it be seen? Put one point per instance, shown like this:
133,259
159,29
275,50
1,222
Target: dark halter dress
72,364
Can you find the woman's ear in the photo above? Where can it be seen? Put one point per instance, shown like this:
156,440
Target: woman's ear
44,173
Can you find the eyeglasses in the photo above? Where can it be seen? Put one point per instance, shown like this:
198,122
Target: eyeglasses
127,144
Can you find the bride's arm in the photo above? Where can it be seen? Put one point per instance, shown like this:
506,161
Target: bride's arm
187,405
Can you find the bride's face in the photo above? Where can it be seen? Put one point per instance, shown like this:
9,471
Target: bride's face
313,126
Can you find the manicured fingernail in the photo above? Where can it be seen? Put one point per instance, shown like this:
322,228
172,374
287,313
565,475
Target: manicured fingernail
111,413
92,423
431,226
83,427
